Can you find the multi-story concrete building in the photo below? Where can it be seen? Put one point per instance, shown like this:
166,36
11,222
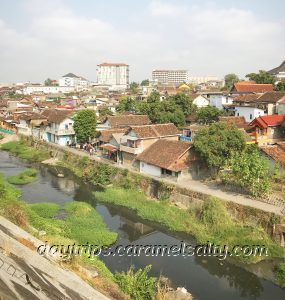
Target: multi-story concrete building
170,76
73,80
114,74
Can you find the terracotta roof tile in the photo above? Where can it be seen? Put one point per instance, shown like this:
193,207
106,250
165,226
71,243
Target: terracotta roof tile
106,135
128,120
267,121
276,152
252,87
165,154
272,97
238,121
56,115
154,130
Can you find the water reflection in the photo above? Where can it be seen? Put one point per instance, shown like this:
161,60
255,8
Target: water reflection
206,278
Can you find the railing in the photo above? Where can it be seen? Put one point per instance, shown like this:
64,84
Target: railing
131,149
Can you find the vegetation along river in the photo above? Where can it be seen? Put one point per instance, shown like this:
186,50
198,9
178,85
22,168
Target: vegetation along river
205,277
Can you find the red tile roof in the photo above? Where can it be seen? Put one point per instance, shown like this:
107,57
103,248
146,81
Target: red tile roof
276,152
268,121
251,88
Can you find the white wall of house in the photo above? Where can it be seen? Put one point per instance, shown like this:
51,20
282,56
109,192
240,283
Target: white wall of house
201,101
249,113
66,124
219,100
150,169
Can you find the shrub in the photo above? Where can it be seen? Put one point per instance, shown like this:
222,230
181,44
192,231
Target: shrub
138,285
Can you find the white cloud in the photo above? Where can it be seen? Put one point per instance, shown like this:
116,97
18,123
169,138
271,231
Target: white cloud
158,8
205,40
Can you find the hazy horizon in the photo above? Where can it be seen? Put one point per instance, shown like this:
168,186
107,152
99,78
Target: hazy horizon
41,39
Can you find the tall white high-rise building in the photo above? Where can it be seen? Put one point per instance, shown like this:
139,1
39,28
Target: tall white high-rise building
113,74
170,76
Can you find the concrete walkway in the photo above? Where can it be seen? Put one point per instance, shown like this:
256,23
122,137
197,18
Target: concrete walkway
209,189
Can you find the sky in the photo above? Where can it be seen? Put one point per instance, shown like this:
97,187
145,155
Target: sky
47,39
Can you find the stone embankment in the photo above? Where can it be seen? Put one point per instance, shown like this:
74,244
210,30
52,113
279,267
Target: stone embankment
25,274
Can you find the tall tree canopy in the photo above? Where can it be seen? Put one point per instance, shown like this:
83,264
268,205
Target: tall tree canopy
134,87
209,114
48,82
280,86
145,82
261,77
126,104
85,125
230,80
219,142
250,171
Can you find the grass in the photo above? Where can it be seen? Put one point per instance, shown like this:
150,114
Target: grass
25,177
82,223
280,275
23,151
211,222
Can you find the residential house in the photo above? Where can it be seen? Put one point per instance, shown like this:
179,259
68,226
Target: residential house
248,112
275,155
139,138
200,100
109,141
29,124
60,129
219,100
269,103
122,121
245,87
167,158
267,129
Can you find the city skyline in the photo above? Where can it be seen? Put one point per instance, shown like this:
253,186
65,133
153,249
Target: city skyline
48,39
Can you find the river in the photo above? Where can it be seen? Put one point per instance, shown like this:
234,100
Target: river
204,277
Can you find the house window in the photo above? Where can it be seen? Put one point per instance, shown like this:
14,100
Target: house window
250,116
238,114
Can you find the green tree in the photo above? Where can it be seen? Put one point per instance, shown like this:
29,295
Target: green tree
209,114
154,97
134,87
219,142
250,171
126,104
184,102
261,77
145,82
230,80
85,125
105,111
280,86
48,82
